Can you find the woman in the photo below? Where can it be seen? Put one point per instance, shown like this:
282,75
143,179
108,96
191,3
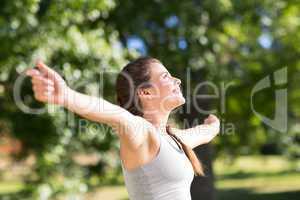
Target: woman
158,161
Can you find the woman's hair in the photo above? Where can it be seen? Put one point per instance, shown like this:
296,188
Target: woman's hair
136,75
197,165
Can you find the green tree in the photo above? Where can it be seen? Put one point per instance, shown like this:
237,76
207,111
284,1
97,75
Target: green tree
228,42
66,36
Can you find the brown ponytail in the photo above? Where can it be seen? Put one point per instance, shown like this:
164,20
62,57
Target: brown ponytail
197,166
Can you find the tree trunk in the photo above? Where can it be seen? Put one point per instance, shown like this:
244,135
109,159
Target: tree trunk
203,187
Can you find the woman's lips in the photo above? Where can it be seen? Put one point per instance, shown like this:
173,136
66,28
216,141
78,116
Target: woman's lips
177,90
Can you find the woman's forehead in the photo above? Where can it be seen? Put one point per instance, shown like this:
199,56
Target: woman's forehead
157,69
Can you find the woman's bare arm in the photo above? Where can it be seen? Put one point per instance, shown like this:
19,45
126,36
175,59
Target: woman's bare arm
132,129
49,87
200,134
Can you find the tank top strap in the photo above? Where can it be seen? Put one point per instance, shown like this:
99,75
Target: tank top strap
173,137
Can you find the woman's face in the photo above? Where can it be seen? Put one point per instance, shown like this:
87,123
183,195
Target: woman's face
165,92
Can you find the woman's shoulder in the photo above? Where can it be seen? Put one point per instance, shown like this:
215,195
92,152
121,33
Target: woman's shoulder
137,133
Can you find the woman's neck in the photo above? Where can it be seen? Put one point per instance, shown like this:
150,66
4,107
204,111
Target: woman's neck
158,120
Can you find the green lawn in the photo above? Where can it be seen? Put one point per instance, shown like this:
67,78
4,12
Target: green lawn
257,178
10,187
248,178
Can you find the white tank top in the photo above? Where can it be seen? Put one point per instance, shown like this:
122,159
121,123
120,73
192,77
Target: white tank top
167,177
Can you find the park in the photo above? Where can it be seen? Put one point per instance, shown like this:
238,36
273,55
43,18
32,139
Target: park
236,60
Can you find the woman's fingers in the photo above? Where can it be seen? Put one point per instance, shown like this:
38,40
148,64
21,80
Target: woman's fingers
38,79
46,83
42,81
208,121
46,70
39,88
32,72
42,71
42,97
44,94
211,119
41,91
43,87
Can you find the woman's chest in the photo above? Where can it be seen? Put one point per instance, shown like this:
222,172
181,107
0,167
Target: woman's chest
173,163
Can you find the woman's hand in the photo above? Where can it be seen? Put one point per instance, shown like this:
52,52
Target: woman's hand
200,134
213,124
212,120
48,85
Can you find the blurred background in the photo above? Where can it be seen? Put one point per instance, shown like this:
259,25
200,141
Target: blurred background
229,44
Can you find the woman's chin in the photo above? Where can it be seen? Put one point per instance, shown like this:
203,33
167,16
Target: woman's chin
180,100
173,102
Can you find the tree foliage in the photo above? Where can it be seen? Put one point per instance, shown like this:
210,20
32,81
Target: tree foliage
230,42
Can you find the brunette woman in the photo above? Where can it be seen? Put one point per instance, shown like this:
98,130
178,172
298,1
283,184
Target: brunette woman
157,160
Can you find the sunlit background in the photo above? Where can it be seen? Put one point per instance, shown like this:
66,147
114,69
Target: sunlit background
231,44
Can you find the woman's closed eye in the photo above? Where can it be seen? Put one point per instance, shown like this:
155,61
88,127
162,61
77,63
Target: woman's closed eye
166,75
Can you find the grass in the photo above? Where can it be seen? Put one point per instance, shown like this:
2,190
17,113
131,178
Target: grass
109,193
248,178
10,187
257,178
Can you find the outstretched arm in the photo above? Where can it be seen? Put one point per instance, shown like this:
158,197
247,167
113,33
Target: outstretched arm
200,134
49,87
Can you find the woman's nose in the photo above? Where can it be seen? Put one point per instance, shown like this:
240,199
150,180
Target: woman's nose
177,81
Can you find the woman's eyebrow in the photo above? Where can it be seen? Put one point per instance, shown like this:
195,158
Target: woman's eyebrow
164,73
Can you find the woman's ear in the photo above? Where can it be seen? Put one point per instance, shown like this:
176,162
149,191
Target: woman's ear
144,93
